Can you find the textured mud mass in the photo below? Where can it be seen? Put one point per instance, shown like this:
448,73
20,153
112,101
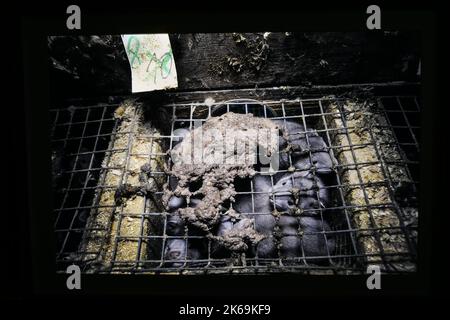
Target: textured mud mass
216,181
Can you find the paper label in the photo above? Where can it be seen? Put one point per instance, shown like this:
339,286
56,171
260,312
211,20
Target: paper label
151,61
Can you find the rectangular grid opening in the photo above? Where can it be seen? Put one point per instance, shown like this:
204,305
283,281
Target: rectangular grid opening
371,218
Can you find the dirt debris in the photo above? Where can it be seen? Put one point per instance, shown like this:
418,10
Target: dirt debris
216,181
121,198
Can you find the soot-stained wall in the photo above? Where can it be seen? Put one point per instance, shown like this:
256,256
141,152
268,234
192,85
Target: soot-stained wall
82,66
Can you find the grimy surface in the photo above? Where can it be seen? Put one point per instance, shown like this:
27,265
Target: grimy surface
217,181
135,144
97,65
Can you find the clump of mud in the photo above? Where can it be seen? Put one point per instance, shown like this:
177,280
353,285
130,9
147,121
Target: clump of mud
237,238
210,200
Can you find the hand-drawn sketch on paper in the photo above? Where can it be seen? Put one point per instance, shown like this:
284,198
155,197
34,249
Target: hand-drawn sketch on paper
151,61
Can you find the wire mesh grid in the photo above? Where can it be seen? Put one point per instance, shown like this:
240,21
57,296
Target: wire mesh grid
364,227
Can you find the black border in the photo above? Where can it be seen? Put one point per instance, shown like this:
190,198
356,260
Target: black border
42,280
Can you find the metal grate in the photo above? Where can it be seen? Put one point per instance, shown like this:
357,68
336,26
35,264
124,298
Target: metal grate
80,139
372,221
